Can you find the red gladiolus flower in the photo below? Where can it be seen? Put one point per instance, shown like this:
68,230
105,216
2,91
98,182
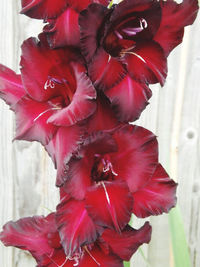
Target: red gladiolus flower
55,91
130,43
62,18
48,9
65,142
42,237
81,83
123,162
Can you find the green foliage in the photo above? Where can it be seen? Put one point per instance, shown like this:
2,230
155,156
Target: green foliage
126,264
179,244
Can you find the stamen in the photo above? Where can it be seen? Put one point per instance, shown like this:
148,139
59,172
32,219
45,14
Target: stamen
134,31
106,192
108,167
143,23
42,113
86,249
132,53
109,58
76,257
111,210
49,83
119,35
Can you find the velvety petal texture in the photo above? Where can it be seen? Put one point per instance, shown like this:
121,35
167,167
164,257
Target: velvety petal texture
11,88
138,148
82,104
75,226
59,78
129,98
104,117
49,69
43,9
62,147
59,30
157,196
90,21
78,176
96,257
105,71
112,207
174,18
127,242
29,234
31,118
82,4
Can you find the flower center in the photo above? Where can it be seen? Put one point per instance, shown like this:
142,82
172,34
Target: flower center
62,87
76,258
124,35
102,169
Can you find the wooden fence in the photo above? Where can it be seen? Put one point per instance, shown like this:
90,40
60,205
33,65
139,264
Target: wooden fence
27,175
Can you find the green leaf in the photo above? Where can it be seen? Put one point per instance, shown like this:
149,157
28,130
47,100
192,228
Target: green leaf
179,244
126,264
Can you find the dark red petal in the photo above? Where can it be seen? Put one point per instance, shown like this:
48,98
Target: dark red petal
75,226
103,118
64,30
137,156
29,234
105,71
157,196
147,63
63,194
127,242
40,63
90,21
36,62
124,14
80,166
82,4
57,258
11,89
42,9
82,105
95,257
31,120
140,8
90,258
109,204
78,4
100,142
78,177
174,18
62,147
129,98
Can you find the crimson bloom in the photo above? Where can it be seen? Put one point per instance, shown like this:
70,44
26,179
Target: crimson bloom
41,237
122,162
53,91
65,142
62,17
126,47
